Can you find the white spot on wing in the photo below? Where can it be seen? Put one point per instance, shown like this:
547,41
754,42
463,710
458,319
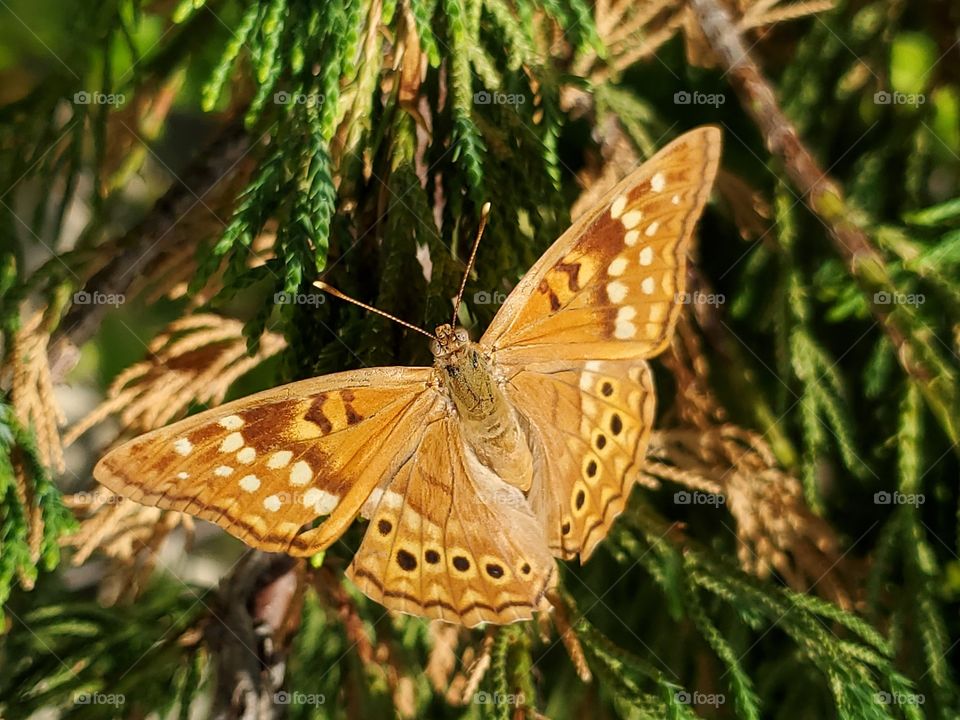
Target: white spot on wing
617,267
272,503
675,199
624,329
223,471
279,459
250,483
301,473
631,237
232,442
618,206
658,182
616,291
631,219
646,256
231,422
183,446
320,500
247,455
647,285
183,475
652,228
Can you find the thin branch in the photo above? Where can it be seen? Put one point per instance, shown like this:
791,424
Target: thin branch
914,344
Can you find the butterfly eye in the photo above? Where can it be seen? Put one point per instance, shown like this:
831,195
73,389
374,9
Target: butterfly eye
462,335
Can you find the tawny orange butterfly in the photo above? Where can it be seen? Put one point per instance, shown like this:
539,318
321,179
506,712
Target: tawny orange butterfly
476,473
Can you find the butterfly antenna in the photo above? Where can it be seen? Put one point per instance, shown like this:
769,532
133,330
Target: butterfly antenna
484,214
336,293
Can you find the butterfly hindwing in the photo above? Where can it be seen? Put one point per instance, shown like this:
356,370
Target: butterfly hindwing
609,287
267,466
590,424
450,540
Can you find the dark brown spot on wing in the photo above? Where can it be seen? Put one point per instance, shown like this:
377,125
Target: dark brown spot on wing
545,289
573,271
316,415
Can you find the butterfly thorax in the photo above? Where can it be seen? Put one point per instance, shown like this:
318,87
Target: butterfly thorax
490,425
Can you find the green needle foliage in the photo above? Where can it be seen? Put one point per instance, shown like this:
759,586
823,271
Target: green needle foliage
371,132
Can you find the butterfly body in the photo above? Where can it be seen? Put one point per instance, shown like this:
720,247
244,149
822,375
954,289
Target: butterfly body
477,472
490,424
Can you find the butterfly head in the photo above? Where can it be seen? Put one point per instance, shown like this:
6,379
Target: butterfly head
449,341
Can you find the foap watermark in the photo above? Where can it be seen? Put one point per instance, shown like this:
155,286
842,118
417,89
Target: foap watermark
682,97
285,298
482,297
99,497
84,97
295,98
298,698
685,497
99,698
887,298
498,698
699,298
698,698
899,698
498,98
898,498
882,97
82,297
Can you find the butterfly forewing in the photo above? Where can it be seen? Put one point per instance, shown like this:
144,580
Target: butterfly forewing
265,467
609,287
572,335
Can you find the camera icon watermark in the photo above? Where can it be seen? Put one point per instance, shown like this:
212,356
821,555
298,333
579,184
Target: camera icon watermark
99,698
898,698
683,97
882,97
686,697
84,97
887,298
309,99
685,497
498,98
285,298
898,498
82,297
498,698
282,697
482,297
699,298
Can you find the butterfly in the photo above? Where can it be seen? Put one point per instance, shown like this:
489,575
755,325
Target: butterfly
477,473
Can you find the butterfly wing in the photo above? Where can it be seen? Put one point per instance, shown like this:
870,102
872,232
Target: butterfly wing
589,426
265,467
448,539
572,336
608,288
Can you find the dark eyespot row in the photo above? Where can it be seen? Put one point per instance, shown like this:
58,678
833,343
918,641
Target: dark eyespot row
384,527
580,499
432,557
601,441
592,468
494,570
606,389
461,563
